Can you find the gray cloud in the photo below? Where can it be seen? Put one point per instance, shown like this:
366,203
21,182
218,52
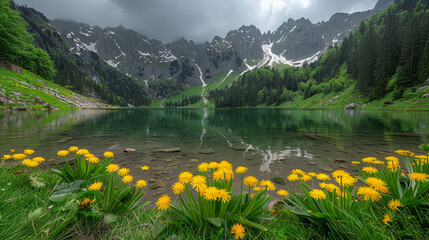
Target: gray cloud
199,20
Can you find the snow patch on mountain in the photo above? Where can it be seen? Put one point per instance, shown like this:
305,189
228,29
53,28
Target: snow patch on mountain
90,46
111,63
229,72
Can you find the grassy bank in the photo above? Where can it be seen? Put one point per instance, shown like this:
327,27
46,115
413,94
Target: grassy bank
21,90
88,197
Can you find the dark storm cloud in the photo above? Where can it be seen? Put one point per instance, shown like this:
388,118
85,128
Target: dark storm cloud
199,20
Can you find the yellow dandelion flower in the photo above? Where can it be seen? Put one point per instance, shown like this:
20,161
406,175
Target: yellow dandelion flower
163,202
369,159
111,168
141,183
323,177
108,154
267,183
317,194
224,165
250,181
203,167
93,159
185,177
298,171
370,169
12,150
144,168
340,173
86,202
73,149
96,186
346,181
241,170
213,165
369,193
257,189
62,153
378,162
283,192
377,184
82,152
404,153
28,151
229,174
392,159
218,175
30,163
421,160
6,157
19,156
178,188
355,162
223,195
306,178
123,171
211,193
330,187
198,182
394,204
387,219
312,174
127,179
419,176
238,230
293,177
39,159
393,167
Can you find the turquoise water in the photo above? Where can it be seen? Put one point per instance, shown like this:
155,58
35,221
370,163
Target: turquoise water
270,142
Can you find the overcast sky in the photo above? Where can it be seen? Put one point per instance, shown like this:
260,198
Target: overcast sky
198,20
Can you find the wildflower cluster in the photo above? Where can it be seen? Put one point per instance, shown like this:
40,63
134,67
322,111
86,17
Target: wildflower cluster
215,198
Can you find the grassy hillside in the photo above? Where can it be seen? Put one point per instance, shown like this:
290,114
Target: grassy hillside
20,90
218,81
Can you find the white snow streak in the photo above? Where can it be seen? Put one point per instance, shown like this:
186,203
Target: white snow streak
230,71
206,101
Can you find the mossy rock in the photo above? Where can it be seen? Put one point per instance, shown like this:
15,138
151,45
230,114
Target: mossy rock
279,180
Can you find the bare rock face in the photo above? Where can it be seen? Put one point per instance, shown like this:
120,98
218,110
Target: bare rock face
352,105
38,99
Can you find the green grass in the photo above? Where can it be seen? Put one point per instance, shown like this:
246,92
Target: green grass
13,83
19,198
215,83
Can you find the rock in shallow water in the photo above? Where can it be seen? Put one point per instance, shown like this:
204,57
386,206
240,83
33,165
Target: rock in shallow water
207,151
167,150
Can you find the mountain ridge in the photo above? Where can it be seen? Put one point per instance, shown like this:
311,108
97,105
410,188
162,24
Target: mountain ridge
294,43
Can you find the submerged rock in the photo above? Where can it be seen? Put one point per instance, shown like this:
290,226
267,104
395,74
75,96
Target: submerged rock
155,185
327,169
168,150
207,151
240,147
340,160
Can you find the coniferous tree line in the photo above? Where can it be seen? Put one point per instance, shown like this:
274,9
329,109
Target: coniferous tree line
184,102
387,53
